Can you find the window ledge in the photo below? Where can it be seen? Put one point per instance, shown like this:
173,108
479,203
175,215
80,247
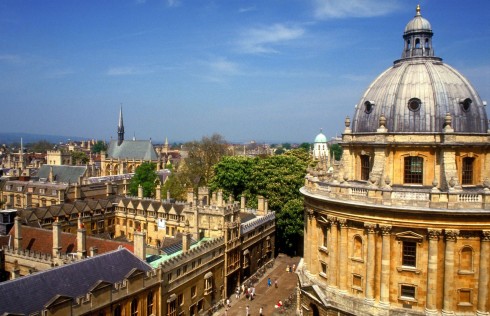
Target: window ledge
465,304
323,249
407,299
357,288
465,272
357,259
323,275
408,269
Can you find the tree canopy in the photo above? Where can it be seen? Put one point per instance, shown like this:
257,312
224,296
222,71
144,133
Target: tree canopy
99,146
277,178
79,158
337,151
145,175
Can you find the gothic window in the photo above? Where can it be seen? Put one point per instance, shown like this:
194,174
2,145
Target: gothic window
172,310
466,260
117,311
134,307
180,299
467,170
149,304
417,43
357,252
365,167
208,283
413,170
409,254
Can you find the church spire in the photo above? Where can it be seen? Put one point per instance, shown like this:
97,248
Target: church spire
120,128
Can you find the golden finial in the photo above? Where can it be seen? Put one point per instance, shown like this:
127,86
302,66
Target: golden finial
418,9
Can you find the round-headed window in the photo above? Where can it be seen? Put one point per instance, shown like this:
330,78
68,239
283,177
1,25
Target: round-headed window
466,104
414,104
368,106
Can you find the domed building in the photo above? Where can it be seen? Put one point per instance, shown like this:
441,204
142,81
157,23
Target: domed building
320,148
402,227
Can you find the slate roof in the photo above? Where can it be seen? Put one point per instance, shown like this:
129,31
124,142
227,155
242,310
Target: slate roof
63,174
132,149
41,240
72,280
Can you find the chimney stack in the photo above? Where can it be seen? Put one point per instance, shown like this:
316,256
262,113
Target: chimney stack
18,233
140,245
81,239
56,239
93,251
242,203
190,195
186,238
140,191
158,193
260,204
168,195
266,206
220,198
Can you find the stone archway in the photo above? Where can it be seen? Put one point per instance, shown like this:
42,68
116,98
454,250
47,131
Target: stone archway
314,310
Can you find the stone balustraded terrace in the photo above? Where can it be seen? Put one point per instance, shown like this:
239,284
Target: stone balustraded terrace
469,199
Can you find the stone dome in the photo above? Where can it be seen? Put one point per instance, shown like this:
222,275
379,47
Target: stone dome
418,23
320,138
418,91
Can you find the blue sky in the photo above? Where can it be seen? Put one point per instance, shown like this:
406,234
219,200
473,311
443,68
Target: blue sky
270,71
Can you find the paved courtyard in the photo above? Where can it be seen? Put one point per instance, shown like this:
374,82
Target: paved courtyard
266,297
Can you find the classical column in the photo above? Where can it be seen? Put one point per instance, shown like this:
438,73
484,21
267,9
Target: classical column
430,306
332,252
371,261
385,265
343,272
451,236
483,277
307,241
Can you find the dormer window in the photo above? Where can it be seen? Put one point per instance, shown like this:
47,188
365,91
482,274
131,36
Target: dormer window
465,104
414,104
368,106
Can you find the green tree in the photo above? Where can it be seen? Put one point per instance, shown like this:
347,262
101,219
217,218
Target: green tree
279,151
286,146
290,225
99,146
176,185
232,175
79,158
305,146
146,176
41,146
202,156
337,150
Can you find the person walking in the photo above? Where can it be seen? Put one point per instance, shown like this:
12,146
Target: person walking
269,282
261,310
228,302
275,283
237,292
248,311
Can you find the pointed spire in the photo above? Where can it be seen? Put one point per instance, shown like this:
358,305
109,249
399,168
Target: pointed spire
120,128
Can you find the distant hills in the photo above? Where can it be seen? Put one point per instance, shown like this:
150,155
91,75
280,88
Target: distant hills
8,138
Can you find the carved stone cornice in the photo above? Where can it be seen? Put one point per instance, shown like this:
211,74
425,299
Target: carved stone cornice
310,212
433,234
385,229
342,222
332,219
451,234
370,227
485,235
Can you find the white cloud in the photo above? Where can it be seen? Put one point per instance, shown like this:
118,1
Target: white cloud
127,71
247,9
261,40
173,3
223,66
325,9
12,59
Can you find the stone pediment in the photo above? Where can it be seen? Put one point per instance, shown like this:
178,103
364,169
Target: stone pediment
409,235
99,285
58,300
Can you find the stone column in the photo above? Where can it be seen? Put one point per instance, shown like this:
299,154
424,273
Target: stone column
448,302
483,278
307,241
18,233
56,239
385,265
430,306
332,252
371,261
343,272
81,239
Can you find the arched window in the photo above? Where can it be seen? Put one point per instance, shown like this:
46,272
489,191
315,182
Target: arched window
466,259
417,43
413,170
409,45
149,304
117,311
426,43
134,307
365,167
357,248
467,170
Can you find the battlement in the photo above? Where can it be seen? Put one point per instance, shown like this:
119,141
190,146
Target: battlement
256,222
193,253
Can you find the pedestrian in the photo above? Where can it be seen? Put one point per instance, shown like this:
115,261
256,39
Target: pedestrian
228,302
294,267
237,292
261,310
253,292
243,288
248,311
287,269
269,282
275,283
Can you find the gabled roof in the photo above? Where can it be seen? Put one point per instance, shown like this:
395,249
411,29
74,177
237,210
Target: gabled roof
63,174
41,240
132,149
71,280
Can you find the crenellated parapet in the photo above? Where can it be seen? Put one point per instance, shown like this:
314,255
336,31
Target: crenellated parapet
256,222
192,254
